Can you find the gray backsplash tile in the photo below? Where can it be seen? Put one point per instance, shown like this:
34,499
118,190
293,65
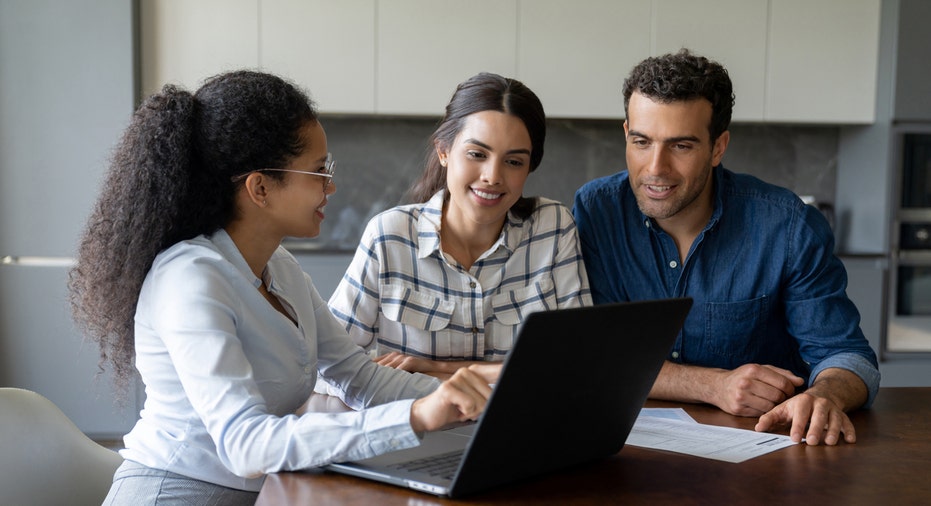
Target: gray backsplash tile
378,158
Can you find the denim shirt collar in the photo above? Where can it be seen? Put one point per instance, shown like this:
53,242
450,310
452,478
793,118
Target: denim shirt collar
718,196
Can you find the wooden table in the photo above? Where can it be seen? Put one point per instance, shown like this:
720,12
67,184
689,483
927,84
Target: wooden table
889,464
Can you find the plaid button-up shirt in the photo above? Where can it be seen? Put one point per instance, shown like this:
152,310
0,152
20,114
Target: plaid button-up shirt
401,293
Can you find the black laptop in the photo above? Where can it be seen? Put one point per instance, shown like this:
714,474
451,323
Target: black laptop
569,392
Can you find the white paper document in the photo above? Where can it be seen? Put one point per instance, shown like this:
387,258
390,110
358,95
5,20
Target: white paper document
669,413
671,431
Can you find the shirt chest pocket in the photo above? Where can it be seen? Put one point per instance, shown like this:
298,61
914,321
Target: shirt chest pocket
418,323
423,311
511,307
735,331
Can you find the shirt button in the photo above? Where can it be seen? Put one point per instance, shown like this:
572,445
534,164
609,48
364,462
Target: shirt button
475,330
675,354
472,284
646,223
673,264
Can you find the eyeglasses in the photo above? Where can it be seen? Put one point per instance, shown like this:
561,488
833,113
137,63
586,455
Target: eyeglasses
329,166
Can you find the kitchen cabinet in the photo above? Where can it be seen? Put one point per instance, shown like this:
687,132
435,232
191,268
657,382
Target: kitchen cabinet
426,47
575,55
912,97
326,47
789,60
867,280
792,61
732,32
822,61
185,42
866,287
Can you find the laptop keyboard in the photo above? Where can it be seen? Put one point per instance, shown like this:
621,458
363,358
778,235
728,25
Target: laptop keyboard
444,465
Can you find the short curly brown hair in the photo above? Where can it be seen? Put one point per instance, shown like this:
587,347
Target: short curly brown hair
684,76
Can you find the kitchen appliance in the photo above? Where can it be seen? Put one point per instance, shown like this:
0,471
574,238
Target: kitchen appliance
910,286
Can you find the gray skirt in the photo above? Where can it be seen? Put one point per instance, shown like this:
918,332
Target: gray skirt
137,485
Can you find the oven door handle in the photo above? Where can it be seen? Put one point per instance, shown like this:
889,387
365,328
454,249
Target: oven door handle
915,257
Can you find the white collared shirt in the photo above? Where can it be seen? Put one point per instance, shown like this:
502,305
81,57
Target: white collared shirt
224,372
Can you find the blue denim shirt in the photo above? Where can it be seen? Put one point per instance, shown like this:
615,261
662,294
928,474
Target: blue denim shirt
766,285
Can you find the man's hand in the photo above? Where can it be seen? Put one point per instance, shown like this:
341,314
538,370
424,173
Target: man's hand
749,390
753,389
819,413
824,420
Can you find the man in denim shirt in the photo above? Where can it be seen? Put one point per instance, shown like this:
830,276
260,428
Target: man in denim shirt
771,315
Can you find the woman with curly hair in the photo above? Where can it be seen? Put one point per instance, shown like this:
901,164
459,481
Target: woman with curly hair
181,274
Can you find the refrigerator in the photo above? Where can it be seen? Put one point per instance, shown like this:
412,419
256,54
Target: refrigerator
67,91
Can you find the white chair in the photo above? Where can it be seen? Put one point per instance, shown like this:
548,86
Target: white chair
45,459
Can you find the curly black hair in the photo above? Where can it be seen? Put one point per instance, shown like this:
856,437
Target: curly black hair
684,76
483,92
170,179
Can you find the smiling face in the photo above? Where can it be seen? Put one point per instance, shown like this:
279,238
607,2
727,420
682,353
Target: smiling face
299,200
670,157
486,167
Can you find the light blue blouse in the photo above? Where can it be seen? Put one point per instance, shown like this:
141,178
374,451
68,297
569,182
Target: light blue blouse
224,372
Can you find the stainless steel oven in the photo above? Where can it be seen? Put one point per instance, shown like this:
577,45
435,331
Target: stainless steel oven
910,285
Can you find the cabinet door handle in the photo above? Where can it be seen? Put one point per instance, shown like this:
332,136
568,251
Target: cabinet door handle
35,261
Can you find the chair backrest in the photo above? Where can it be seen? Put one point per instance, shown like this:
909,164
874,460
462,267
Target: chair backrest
45,458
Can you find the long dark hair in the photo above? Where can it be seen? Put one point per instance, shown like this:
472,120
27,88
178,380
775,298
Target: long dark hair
483,92
170,180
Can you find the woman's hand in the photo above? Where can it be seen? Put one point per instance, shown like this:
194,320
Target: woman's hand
438,368
442,369
462,397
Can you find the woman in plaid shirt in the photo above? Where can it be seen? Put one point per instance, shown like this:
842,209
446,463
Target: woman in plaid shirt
445,281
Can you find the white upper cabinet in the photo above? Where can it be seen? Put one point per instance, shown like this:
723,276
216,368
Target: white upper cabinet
793,61
185,42
822,61
427,47
731,32
575,55
325,46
